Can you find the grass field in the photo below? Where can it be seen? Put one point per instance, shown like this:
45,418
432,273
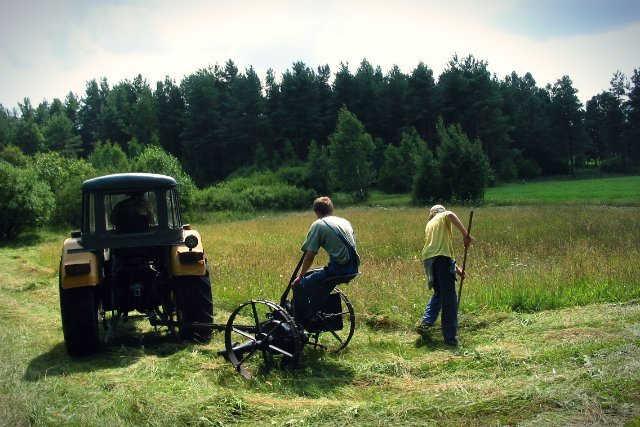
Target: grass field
550,330
621,191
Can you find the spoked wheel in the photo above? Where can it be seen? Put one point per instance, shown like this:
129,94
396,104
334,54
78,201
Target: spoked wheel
258,333
332,328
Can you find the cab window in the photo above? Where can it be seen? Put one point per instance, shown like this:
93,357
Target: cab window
131,212
172,209
90,217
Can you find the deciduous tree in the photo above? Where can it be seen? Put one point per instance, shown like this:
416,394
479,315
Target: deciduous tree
26,202
317,165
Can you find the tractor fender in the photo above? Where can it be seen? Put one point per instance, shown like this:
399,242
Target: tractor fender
77,269
188,262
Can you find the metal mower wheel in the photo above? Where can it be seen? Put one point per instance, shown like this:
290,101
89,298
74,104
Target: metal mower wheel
327,334
258,333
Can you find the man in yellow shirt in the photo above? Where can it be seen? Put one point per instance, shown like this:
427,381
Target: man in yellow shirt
440,267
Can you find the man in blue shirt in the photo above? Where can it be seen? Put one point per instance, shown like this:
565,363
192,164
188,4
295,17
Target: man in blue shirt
335,235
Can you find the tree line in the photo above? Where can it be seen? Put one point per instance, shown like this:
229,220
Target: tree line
44,188
236,144
219,119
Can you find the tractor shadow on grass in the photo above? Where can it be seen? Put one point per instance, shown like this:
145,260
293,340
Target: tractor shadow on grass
124,349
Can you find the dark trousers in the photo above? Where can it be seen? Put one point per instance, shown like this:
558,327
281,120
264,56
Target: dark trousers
310,294
444,298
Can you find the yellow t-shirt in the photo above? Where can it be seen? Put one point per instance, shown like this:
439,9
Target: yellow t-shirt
438,238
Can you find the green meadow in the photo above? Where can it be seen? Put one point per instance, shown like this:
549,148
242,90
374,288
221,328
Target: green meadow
621,191
549,325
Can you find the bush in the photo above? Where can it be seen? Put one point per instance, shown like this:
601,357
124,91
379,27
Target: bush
257,178
260,191
527,168
14,155
68,210
278,197
507,171
392,177
425,185
26,202
293,175
220,198
316,167
615,165
64,177
51,168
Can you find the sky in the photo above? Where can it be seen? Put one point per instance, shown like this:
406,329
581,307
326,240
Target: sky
49,48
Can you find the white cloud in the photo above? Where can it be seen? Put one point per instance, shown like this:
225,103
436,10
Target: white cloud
50,48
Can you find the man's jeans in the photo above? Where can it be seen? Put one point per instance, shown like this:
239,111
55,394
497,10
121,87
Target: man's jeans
444,296
309,295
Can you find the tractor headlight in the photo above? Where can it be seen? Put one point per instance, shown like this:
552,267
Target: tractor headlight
191,241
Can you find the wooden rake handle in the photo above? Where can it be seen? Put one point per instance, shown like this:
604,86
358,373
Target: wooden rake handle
464,260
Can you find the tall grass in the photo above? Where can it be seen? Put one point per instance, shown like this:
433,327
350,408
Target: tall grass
522,258
525,259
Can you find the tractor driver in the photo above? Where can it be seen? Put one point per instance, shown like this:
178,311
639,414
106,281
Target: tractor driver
128,210
335,235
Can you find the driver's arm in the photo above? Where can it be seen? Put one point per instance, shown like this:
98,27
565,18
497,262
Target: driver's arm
306,264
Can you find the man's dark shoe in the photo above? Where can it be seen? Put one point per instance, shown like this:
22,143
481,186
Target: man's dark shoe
452,342
423,327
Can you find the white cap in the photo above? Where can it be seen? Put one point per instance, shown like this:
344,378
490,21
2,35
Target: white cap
436,209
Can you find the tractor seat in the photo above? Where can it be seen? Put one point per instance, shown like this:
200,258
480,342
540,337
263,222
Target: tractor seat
337,280
133,224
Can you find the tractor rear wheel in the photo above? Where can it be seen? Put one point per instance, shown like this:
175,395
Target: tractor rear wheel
194,304
80,326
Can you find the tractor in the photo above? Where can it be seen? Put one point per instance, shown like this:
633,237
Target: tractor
132,256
